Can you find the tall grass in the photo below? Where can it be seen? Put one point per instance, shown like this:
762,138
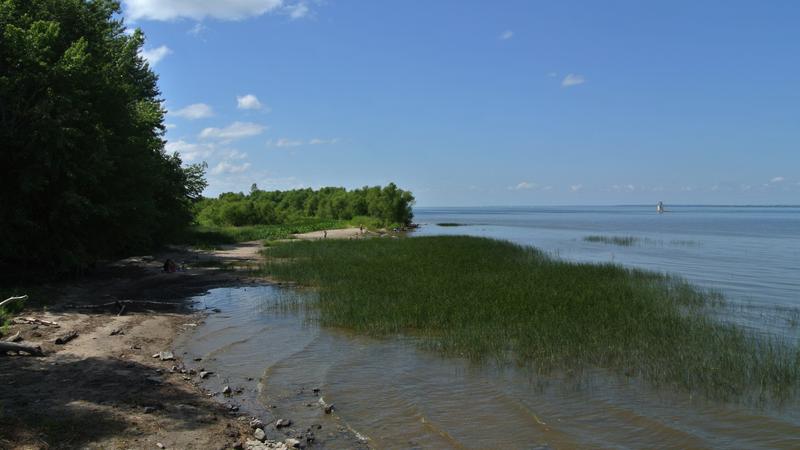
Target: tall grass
489,299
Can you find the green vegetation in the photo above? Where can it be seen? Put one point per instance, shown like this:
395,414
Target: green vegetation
84,173
212,236
379,206
483,298
624,241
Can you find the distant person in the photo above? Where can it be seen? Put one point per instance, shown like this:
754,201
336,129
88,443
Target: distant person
324,234
170,266
361,229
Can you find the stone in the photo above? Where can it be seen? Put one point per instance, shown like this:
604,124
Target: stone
256,423
166,356
329,408
204,374
149,409
280,423
259,434
226,390
160,445
292,443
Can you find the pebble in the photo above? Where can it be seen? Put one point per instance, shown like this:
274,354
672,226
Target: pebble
256,423
292,443
280,423
160,445
226,390
204,374
259,434
149,409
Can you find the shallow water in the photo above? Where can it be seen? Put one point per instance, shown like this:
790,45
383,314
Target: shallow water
399,396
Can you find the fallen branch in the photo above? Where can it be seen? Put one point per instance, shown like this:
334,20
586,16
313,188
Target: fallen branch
12,299
66,338
12,347
35,321
14,338
122,306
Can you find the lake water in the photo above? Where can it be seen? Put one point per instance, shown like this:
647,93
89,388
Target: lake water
398,396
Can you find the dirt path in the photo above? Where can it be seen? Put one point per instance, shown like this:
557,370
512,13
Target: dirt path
104,389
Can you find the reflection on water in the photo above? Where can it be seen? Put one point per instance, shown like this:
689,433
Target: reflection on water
399,396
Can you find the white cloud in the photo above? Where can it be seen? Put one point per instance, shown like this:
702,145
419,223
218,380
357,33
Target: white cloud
197,29
226,167
624,187
524,185
248,101
194,111
233,154
547,188
285,142
189,152
776,180
170,126
576,187
508,34
552,74
572,80
297,11
198,9
236,130
318,141
154,55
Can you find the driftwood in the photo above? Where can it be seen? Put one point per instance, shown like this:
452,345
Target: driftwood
35,321
14,338
122,306
13,299
12,347
61,340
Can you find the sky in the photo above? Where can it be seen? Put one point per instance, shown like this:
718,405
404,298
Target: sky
477,103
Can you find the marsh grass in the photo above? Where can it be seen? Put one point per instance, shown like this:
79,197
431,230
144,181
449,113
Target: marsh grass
493,300
624,241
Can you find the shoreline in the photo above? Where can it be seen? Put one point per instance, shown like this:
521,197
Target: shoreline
121,373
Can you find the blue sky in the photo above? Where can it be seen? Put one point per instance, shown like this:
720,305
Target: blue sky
486,103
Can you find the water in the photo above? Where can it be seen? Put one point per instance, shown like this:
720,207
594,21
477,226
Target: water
399,396
749,254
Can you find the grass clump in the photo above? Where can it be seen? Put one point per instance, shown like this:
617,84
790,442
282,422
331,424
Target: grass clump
485,299
624,241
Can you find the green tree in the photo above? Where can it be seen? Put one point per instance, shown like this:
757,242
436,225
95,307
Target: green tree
84,173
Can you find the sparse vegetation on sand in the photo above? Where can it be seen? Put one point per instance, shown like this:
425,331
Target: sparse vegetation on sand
489,299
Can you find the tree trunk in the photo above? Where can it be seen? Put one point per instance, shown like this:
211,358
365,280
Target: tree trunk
12,347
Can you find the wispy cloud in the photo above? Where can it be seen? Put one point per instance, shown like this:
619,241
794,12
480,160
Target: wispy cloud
189,152
777,180
236,130
287,142
227,167
506,35
199,9
248,101
575,187
318,141
297,11
154,55
194,111
572,80
523,185
197,29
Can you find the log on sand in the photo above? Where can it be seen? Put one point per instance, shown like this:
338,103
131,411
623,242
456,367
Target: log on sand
13,347
13,299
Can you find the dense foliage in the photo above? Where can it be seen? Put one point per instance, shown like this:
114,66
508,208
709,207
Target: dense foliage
388,204
484,298
84,173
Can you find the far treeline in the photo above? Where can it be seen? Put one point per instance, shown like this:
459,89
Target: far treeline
388,205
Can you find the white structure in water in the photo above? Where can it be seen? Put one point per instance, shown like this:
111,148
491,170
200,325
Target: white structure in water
660,207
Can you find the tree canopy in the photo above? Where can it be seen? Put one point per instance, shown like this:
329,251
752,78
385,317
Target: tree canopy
388,204
84,173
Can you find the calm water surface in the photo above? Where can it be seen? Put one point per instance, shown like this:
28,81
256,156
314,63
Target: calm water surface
399,396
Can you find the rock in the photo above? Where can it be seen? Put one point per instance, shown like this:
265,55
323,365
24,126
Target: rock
281,423
156,355
316,390
149,409
256,423
198,359
226,390
160,445
154,380
217,310
115,332
329,408
166,356
292,443
204,374
260,434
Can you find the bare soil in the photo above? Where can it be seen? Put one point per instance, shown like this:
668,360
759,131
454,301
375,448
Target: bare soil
104,389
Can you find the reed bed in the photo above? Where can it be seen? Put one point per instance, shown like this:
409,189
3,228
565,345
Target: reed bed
493,300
